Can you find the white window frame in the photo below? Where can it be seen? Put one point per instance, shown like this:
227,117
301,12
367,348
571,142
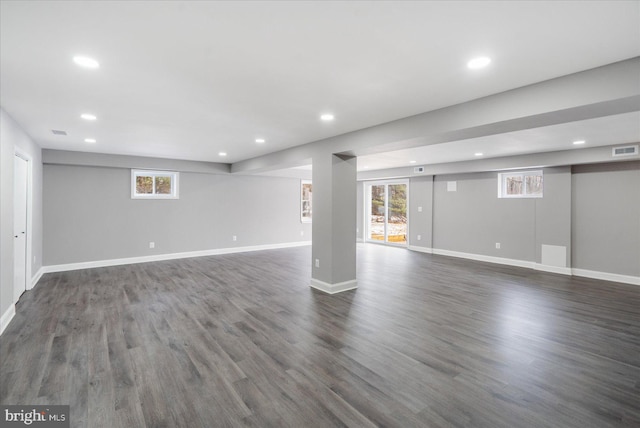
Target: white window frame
304,219
175,178
502,178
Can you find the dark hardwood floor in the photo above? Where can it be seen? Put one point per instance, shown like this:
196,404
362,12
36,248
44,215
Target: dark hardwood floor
242,340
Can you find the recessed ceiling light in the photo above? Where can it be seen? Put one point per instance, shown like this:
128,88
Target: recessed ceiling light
88,116
478,154
260,140
479,62
327,117
89,140
577,143
222,154
85,61
412,161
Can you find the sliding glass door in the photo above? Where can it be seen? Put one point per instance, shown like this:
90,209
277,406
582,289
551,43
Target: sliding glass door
387,212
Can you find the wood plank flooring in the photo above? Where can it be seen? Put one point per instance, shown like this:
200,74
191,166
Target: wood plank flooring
242,340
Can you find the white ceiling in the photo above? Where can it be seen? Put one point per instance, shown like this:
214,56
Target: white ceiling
603,131
187,80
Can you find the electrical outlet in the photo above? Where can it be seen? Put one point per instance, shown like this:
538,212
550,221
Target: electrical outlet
419,237
419,209
317,263
497,245
235,238
302,233
152,245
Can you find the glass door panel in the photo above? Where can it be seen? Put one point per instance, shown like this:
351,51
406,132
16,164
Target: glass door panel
377,210
397,219
387,213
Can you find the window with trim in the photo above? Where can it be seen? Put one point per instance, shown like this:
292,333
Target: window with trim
520,184
305,201
147,184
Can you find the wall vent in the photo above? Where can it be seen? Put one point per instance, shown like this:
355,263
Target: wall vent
57,132
624,151
418,170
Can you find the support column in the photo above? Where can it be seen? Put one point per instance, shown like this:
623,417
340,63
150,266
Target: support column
334,223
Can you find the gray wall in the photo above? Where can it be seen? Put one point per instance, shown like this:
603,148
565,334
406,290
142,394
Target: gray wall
606,218
553,212
421,222
473,219
12,137
591,210
90,216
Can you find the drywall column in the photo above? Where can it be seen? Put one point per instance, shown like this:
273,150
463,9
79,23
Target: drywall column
334,223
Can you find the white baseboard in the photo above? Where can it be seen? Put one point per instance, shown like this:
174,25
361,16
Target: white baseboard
627,279
36,277
421,249
320,285
553,269
171,256
483,258
333,288
7,317
605,276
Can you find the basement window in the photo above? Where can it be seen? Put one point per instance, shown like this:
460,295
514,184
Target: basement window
147,184
520,184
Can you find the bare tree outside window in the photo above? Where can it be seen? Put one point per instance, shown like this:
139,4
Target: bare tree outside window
154,184
514,185
534,184
525,184
144,185
163,185
306,205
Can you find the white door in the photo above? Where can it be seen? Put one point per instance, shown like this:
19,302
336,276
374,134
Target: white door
20,227
387,212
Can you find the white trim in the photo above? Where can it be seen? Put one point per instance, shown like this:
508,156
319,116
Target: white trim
171,256
333,288
421,249
606,276
7,317
553,269
36,277
482,258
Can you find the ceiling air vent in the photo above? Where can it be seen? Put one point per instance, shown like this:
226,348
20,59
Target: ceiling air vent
418,170
57,132
624,151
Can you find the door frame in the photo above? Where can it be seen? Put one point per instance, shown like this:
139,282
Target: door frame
367,210
26,157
